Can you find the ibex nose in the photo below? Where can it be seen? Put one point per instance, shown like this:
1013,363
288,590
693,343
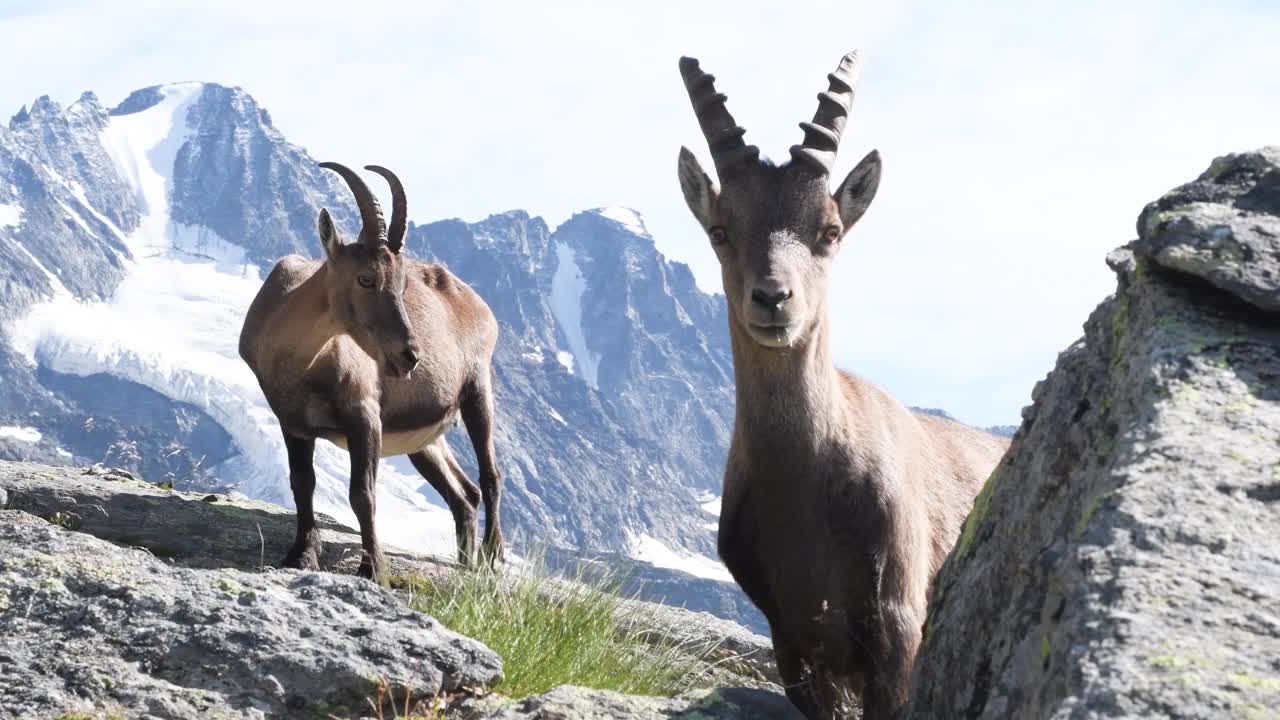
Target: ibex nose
770,298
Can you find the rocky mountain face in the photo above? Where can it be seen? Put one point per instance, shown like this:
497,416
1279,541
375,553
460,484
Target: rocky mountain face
133,238
1123,559
615,378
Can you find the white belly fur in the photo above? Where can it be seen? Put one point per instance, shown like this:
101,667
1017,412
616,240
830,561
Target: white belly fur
402,443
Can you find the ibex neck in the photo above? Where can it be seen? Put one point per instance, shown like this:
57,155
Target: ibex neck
784,396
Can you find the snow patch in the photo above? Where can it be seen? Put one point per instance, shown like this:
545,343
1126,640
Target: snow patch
63,453
646,548
626,217
565,359
710,504
21,434
567,288
557,416
193,288
10,215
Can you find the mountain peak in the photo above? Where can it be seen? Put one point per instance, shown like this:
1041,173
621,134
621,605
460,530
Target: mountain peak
19,118
626,217
149,97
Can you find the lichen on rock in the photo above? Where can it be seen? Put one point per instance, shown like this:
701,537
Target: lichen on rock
1126,562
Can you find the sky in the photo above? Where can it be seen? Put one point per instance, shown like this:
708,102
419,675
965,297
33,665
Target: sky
1020,140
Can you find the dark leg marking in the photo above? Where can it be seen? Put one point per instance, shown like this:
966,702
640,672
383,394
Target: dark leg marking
305,553
364,442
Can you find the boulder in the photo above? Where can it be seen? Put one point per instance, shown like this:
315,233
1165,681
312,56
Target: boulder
1124,559
92,627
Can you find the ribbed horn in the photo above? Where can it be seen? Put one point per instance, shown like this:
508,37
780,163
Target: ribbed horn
822,136
399,218
373,229
724,136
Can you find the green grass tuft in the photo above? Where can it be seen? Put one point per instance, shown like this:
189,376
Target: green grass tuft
550,632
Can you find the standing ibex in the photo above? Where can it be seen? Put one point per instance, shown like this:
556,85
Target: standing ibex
376,353
839,503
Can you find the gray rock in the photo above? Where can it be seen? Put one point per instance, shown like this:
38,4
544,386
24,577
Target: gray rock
1224,227
1123,559
91,626
204,530
575,703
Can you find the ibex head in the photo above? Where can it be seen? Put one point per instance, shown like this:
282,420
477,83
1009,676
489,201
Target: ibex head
775,229
366,278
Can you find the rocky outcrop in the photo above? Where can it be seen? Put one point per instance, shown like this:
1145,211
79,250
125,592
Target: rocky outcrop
1123,560
203,530
576,703
215,530
90,626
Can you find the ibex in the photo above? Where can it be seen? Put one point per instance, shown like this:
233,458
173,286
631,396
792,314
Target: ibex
839,504
377,353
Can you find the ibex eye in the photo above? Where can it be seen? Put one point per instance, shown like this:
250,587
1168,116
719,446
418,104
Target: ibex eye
831,233
366,281
718,235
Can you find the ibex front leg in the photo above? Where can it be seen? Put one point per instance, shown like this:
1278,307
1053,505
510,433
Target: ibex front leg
364,442
305,553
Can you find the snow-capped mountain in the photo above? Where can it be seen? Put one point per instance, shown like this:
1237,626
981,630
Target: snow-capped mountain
132,241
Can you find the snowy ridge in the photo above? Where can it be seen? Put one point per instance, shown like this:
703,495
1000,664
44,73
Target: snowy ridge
626,217
173,325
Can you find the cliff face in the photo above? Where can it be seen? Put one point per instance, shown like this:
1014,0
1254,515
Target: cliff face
1123,560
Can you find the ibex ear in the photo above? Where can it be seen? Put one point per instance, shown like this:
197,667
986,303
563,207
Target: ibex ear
699,191
858,189
330,238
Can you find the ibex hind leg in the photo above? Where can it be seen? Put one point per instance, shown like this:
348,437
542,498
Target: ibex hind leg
435,464
305,553
477,414
469,488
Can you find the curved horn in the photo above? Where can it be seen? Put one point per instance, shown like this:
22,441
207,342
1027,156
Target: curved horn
399,218
724,136
822,136
373,229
